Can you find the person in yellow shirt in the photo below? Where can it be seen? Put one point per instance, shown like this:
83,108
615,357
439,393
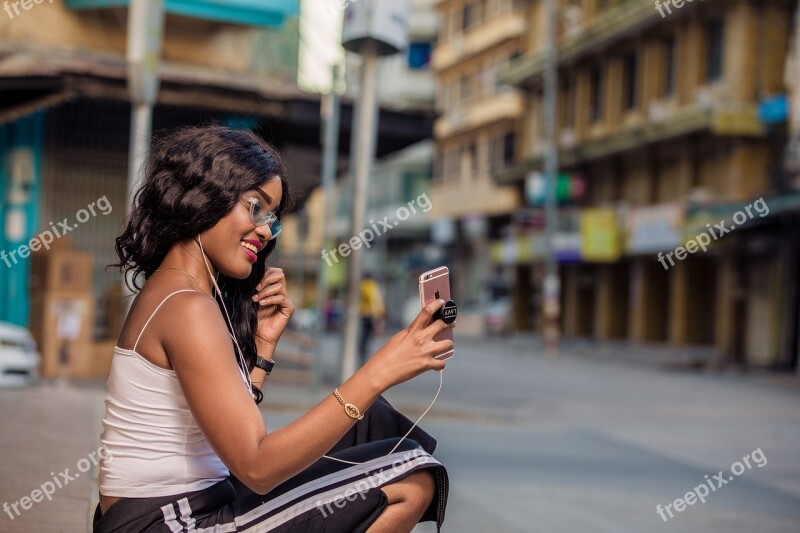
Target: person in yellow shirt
372,312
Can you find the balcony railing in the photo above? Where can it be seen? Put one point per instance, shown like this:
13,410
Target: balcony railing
508,103
478,38
615,23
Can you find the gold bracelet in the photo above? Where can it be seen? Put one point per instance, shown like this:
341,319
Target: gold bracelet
351,410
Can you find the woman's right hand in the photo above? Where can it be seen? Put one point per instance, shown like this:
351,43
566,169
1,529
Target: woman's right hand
410,351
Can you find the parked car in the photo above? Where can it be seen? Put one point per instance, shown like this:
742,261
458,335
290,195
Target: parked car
498,317
19,359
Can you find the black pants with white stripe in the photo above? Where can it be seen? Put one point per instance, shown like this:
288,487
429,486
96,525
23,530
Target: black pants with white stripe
329,496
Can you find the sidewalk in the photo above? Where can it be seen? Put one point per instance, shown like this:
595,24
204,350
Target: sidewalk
492,383
47,431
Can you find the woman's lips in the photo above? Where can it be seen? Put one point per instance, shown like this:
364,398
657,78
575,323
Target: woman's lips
250,255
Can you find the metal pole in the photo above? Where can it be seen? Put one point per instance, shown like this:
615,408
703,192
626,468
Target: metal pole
145,32
138,146
365,150
330,109
552,284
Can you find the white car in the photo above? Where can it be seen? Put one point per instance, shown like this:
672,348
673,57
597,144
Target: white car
19,359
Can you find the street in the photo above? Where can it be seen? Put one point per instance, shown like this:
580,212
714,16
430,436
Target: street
531,444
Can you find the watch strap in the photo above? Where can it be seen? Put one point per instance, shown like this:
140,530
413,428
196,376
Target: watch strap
265,364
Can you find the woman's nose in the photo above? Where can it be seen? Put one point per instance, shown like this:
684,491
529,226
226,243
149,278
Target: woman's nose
264,233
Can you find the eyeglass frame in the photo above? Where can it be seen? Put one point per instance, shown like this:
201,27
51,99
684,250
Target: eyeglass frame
270,218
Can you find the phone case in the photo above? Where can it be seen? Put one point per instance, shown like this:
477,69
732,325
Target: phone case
435,284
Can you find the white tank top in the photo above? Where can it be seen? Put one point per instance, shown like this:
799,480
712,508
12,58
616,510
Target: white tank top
154,446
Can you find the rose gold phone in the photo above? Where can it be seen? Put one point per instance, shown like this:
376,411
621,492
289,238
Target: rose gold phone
435,284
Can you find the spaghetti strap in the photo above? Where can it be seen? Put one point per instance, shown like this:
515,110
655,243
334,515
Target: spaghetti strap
154,314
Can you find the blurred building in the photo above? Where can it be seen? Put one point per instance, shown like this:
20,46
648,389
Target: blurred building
405,84
65,115
477,134
665,129
65,110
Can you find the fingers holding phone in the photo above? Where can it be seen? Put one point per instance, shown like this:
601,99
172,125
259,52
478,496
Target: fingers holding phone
435,285
412,350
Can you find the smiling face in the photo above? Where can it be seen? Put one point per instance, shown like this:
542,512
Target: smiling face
232,242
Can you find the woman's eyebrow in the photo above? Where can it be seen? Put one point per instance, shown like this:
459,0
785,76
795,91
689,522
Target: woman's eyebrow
264,195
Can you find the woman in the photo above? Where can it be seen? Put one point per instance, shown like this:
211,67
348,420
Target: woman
187,447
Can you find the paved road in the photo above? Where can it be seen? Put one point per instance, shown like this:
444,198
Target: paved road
531,444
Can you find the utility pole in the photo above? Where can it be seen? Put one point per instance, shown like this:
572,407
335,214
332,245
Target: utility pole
331,111
365,152
145,33
371,29
552,283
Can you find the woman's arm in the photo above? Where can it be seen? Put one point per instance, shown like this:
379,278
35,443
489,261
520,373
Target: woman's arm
195,337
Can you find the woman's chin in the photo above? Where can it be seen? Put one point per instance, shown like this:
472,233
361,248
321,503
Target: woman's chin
241,270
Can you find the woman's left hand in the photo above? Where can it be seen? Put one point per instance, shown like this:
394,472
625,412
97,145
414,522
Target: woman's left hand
274,306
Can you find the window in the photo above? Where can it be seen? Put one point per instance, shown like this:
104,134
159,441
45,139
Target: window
567,104
488,77
465,17
473,159
629,73
509,142
470,16
495,150
465,88
481,8
419,55
596,94
451,164
715,33
669,66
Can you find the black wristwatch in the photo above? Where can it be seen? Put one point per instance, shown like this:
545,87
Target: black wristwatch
265,364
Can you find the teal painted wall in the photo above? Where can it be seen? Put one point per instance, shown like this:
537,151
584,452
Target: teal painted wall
20,185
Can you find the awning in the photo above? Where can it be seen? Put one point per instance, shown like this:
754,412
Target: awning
266,13
33,78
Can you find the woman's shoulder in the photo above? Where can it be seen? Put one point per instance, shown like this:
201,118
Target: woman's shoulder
166,304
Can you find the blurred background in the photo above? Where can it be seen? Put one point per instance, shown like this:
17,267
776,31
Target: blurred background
595,376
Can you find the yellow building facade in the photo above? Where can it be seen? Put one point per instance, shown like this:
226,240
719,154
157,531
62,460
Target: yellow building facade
660,117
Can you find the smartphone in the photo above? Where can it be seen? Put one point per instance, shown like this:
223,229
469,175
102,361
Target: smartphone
433,285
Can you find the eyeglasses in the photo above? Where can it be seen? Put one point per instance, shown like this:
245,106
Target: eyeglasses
259,216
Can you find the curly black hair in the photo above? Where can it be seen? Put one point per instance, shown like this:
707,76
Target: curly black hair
194,177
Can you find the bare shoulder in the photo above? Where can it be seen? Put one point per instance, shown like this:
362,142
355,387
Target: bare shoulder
163,315
190,317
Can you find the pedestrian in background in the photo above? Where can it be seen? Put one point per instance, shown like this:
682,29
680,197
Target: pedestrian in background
372,312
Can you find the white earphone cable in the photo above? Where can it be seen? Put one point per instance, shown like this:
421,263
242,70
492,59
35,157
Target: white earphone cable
243,366
246,377
441,379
